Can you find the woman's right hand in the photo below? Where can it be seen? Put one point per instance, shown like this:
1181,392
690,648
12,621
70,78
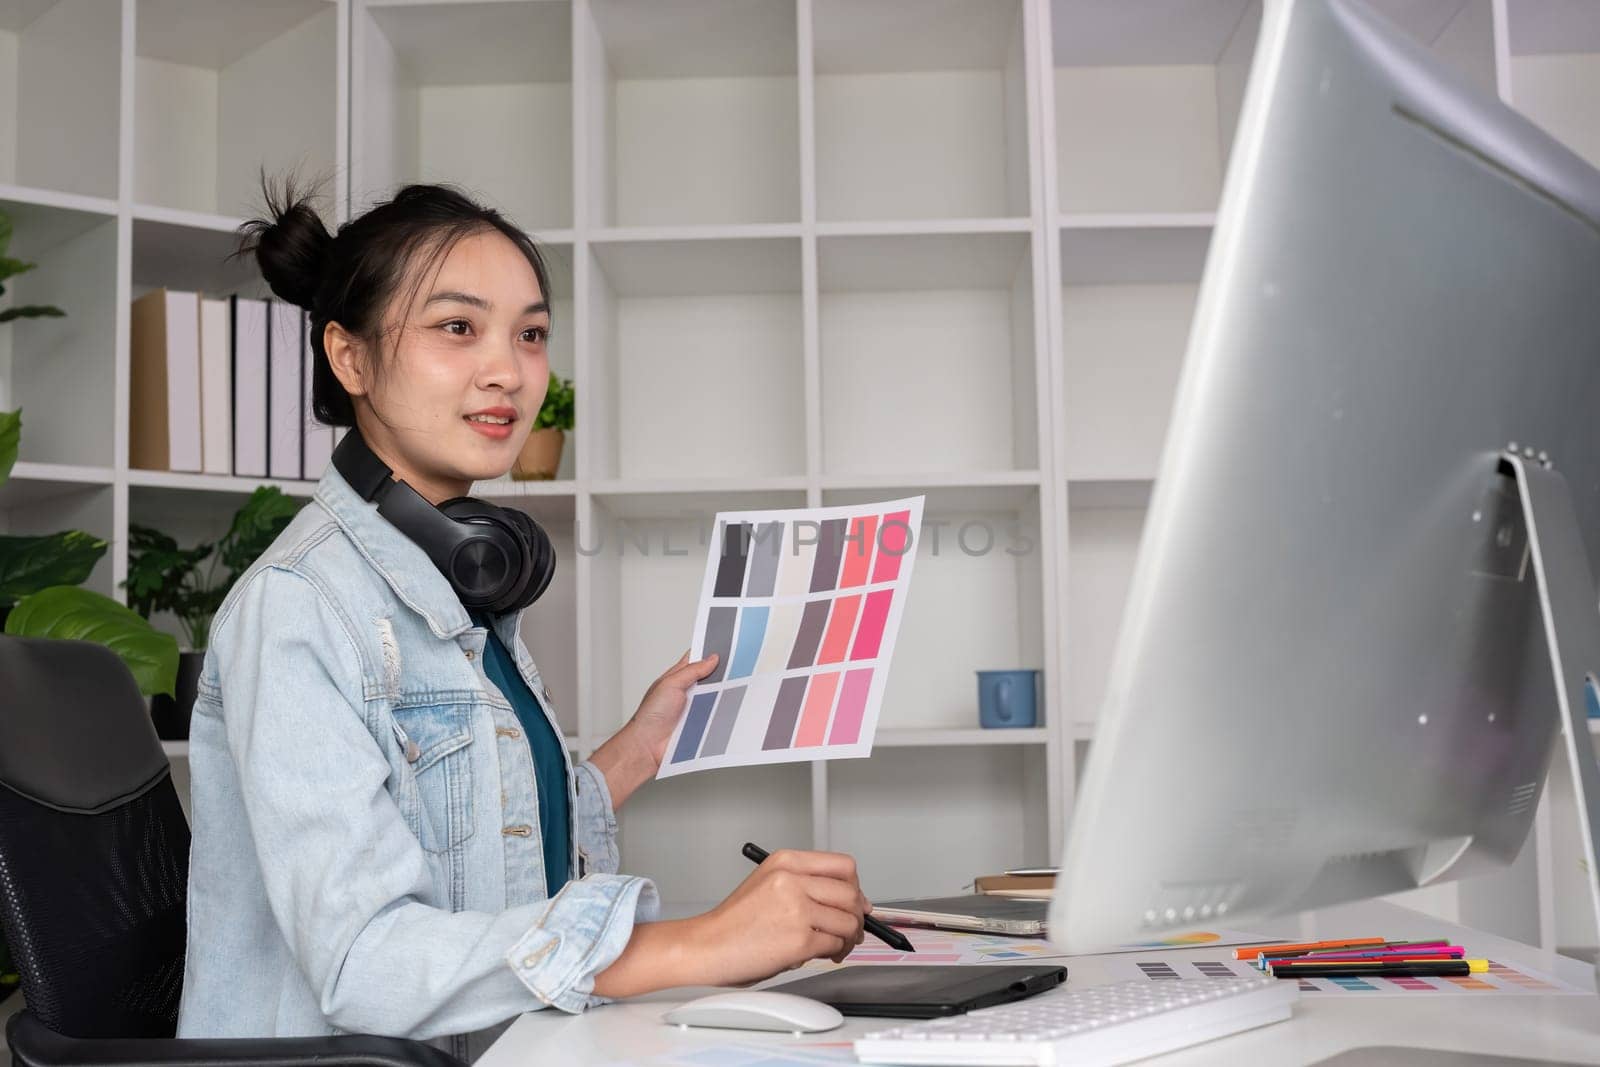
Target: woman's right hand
795,906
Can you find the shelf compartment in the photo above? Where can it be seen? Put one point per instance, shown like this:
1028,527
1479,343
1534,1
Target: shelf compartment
1127,299
928,354
1555,69
60,87
647,556
976,603
59,371
1102,548
921,109
1146,98
35,510
698,343
489,110
925,822
223,88
191,257
693,112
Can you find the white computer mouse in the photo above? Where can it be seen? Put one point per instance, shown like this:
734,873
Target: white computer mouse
757,1009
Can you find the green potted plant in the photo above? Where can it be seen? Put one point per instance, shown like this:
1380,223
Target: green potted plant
191,584
540,457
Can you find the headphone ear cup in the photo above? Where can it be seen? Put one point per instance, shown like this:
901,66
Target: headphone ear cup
541,556
491,563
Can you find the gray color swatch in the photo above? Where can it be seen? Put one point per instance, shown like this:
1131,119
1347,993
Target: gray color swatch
719,638
812,623
722,721
765,548
785,713
830,552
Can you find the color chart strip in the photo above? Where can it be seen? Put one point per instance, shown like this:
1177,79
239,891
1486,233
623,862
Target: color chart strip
802,608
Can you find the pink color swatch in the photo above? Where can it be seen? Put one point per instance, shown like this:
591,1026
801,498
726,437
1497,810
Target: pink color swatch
892,542
873,618
836,639
852,705
858,551
814,718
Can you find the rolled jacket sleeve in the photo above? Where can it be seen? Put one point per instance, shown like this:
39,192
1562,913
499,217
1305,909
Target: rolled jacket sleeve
343,873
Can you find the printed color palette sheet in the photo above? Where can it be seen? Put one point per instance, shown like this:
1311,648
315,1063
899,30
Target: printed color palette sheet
1501,978
802,607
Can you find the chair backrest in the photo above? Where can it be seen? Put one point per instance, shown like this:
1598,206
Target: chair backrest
94,847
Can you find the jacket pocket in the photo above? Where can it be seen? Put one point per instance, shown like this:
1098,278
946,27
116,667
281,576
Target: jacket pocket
437,740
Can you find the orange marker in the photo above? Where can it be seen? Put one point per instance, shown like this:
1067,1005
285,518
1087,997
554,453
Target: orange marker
1251,952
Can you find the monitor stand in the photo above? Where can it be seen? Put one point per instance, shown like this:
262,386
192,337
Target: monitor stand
1572,632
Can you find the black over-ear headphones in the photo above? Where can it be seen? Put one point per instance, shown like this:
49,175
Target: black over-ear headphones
497,559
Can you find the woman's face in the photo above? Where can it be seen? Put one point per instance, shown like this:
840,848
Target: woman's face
457,398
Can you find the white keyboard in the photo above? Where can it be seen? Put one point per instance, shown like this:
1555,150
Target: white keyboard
1101,1025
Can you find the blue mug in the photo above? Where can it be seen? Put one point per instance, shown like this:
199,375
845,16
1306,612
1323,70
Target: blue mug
1008,699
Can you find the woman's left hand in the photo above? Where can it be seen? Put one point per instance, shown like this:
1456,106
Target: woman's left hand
634,754
664,702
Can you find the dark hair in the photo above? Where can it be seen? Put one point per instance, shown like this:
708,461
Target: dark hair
353,277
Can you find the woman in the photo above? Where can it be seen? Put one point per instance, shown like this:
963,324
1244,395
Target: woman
389,836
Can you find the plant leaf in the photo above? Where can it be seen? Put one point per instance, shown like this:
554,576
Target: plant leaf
32,311
10,441
10,268
71,613
161,576
255,526
29,564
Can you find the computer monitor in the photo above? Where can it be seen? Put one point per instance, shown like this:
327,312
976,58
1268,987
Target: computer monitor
1332,679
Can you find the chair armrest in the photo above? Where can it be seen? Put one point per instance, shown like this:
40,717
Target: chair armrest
35,1045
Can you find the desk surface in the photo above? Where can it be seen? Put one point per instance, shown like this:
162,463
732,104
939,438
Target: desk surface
1554,1027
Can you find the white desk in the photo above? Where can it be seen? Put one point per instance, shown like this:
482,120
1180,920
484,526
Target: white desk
1555,1027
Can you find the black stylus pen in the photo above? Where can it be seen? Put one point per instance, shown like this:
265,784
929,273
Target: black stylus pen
887,934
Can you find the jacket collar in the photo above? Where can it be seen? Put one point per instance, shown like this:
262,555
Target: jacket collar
410,573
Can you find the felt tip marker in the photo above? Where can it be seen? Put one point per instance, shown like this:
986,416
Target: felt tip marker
1442,969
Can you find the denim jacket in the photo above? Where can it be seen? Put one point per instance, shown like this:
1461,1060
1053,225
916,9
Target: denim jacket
366,854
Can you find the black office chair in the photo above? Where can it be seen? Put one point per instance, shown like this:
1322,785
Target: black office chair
94,867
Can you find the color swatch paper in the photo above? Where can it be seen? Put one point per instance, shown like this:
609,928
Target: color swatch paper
1502,978
802,608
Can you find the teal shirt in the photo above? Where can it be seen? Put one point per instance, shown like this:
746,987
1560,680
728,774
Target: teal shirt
549,763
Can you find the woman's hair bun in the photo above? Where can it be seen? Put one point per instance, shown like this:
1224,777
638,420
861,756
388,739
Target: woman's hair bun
290,244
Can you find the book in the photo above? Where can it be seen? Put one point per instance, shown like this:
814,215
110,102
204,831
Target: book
1028,887
249,387
285,422
317,444
216,388
164,381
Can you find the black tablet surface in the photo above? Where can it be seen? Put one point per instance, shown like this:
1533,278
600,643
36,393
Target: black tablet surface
925,991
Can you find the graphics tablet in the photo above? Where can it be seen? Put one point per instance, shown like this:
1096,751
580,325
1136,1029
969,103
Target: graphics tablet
925,991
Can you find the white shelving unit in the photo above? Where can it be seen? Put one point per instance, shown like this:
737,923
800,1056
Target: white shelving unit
1142,114
803,252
